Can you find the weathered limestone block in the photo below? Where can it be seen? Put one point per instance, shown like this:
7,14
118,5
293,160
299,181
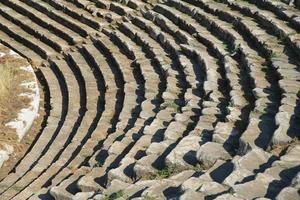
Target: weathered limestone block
210,152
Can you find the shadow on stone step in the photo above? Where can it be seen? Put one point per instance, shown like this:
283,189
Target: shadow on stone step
222,172
46,196
190,158
286,177
73,188
173,192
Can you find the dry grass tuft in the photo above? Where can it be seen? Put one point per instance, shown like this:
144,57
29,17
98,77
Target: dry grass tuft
8,81
11,76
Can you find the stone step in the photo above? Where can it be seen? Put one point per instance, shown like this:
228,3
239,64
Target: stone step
271,182
58,140
61,17
47,37
282,10
26,39
99,133
249,165
231,66
59,115
53,120
61,191
76,13
194,25
161,59
226,31
98,8
34,58
44,21
150,78
234,35
169,43
275,46
269,20
132,82
160,99
87,124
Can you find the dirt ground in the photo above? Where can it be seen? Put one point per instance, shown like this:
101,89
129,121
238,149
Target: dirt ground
10,105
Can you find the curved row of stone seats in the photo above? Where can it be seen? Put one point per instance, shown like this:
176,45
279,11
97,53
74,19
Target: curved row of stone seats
84,181
112,10
278,176
219,127
132,82
176,85
186,109
61,17
170,44
34,58
120,9
54,88
126,8
286,131
76,13
119,127
44,21
218,180
105,124
264,89
192,95
167,188
77,140
208,184
145,138
109,10
114,7
236,81
96,9
43,42
212,22
250,62
184,48
77,91
226,31
268,19
160,57
152,82
281,10
129,152
190,184
289,85
136,5
181,153
140,190
52,132
245,25
223,175
129,88
21,36
55,42
113,135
